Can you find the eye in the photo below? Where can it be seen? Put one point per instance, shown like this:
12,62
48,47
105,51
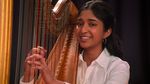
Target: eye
79,24
92,24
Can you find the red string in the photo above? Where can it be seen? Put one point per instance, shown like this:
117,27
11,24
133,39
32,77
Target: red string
37,32
46,24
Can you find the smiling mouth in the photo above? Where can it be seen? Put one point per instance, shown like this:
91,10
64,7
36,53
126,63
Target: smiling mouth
84,38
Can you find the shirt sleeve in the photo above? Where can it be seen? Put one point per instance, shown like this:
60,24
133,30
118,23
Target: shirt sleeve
21,82
119,73
66,83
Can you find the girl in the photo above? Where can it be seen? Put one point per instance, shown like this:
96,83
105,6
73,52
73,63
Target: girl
99,61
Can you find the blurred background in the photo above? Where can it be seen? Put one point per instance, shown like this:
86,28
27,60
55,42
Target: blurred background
133,27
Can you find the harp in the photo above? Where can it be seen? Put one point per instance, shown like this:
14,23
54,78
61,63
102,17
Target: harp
57,22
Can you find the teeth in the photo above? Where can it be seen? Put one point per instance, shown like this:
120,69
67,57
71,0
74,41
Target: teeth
84,37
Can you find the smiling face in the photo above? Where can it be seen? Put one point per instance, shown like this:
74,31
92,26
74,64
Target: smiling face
90,30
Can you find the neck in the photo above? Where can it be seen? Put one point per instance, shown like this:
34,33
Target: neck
91,54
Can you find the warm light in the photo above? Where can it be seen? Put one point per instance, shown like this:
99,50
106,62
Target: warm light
5,39
58,6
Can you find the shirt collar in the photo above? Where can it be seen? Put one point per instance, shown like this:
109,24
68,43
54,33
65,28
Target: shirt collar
81,59
102,60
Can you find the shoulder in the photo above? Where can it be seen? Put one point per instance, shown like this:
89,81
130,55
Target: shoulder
118,67
113,62
119,64
118,71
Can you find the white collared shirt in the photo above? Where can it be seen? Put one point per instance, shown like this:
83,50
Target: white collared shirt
106,69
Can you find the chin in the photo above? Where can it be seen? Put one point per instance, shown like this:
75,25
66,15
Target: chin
84,46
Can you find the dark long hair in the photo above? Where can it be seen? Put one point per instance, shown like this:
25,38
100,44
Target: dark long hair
104,12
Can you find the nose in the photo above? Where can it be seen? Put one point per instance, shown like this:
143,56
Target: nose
84,28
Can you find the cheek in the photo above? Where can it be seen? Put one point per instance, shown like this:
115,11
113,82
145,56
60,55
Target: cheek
77,32
99,35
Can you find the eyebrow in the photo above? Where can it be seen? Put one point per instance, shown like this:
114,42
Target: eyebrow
90,19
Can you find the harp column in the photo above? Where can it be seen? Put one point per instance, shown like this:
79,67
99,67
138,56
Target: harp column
5,39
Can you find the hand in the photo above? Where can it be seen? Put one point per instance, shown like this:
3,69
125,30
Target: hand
36,61
29,70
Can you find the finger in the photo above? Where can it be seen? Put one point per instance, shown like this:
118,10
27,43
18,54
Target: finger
37,50
43,53
40,67
37,64
42,50
34,57
28,56
36,60
34,50
41,61
40,47
34,63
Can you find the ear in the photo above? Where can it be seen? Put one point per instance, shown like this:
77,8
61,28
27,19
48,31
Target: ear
108,33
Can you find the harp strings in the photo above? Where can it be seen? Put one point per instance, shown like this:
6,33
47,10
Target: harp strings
47,29
42,14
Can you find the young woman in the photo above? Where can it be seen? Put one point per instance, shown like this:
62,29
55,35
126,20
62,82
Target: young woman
100,59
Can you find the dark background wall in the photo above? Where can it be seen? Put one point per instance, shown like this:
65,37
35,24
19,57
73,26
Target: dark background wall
133,25
133,19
